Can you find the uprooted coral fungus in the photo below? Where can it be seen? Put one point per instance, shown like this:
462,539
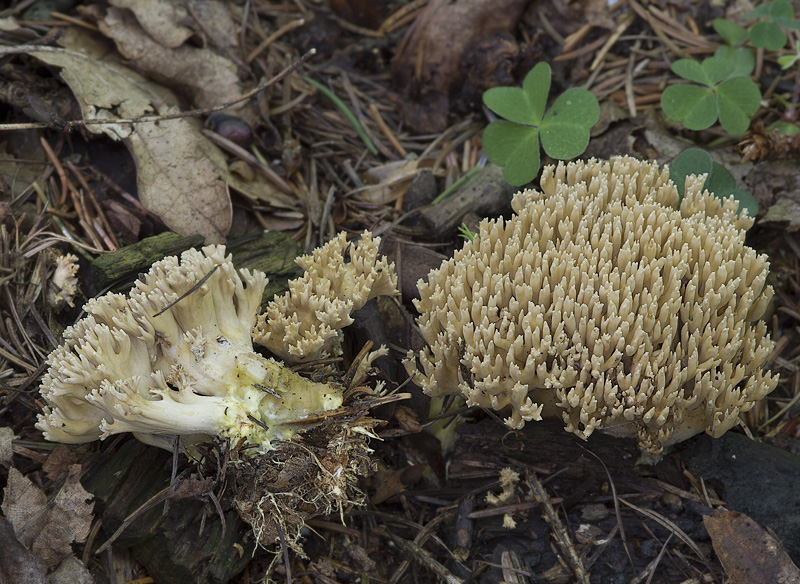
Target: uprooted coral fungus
174,360
604,301
170,361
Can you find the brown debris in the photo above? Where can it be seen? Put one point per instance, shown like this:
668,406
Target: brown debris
750,553
429,65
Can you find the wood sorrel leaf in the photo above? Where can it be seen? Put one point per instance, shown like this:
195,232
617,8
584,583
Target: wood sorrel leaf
691,161
738,98
525,105
692,105
565,129
515,148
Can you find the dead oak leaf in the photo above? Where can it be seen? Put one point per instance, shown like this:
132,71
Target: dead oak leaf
162,19
172,158
6,450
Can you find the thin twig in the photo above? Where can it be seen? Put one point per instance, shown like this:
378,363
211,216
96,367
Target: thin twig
158,118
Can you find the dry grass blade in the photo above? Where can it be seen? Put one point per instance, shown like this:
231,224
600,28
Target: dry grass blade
664,522
423,557
616,508
650,570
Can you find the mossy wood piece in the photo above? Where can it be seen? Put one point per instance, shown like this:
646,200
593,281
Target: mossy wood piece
272,252
173,548
127,263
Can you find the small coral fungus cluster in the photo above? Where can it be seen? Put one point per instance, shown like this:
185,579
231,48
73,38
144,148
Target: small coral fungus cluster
174,361
607,301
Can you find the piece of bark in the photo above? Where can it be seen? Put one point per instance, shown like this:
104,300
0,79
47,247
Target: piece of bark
462,535
412,262
272,253
752,477
486,194
134,259
173,548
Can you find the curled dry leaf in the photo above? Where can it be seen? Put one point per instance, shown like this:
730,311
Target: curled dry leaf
177,178
161,19
174,159
172,23
6,438
208,78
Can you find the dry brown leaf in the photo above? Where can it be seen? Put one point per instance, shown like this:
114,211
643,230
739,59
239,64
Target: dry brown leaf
22,501
748,552
6,438
173,158
171,23
17,564
217,21
162,19
390,180
595,11
393,482
430,64
9,24
259,189
208,78
48,530
176,173
71,571
59,462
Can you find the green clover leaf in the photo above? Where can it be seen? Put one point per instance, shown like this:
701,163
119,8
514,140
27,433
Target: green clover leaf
564,129
738,98
733,34
742,58
515,148
692,105
723,94
691,161
776,15
766,35
525,105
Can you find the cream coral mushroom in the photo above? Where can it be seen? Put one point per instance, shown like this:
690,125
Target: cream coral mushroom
63,285
175,358
602,302
303,324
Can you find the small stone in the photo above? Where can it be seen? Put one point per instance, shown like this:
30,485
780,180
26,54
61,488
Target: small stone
594,513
